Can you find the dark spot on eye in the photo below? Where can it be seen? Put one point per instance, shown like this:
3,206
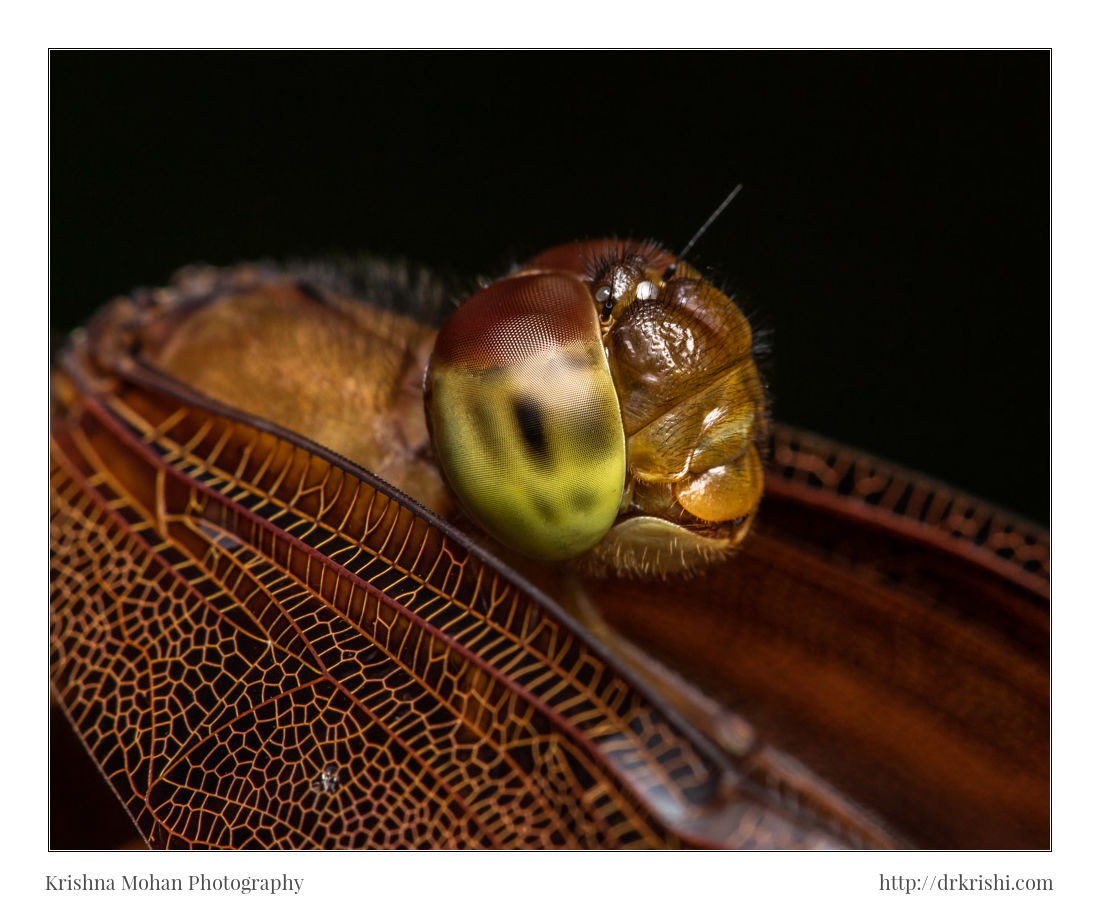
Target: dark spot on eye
600,438
582,500
530,426
545,509
483,422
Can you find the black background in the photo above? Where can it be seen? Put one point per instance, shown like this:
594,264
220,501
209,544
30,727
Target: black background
893,233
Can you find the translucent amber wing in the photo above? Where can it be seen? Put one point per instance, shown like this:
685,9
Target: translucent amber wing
890,634
263,646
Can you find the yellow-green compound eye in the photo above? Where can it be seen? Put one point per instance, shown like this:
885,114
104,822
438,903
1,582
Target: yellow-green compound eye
524,416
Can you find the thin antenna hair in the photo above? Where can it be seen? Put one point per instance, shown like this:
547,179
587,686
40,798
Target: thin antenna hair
699,233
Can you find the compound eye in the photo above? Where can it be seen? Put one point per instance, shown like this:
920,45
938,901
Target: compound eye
524,416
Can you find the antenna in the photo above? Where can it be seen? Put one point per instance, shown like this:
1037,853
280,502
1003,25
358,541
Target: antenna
699,233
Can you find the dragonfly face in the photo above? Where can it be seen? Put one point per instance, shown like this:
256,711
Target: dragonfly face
602,403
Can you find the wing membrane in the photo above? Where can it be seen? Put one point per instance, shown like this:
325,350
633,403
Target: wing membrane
263,647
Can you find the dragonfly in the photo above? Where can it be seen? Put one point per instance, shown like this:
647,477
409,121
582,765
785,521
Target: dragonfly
324,575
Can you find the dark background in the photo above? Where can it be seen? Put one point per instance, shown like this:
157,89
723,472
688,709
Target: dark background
893,233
